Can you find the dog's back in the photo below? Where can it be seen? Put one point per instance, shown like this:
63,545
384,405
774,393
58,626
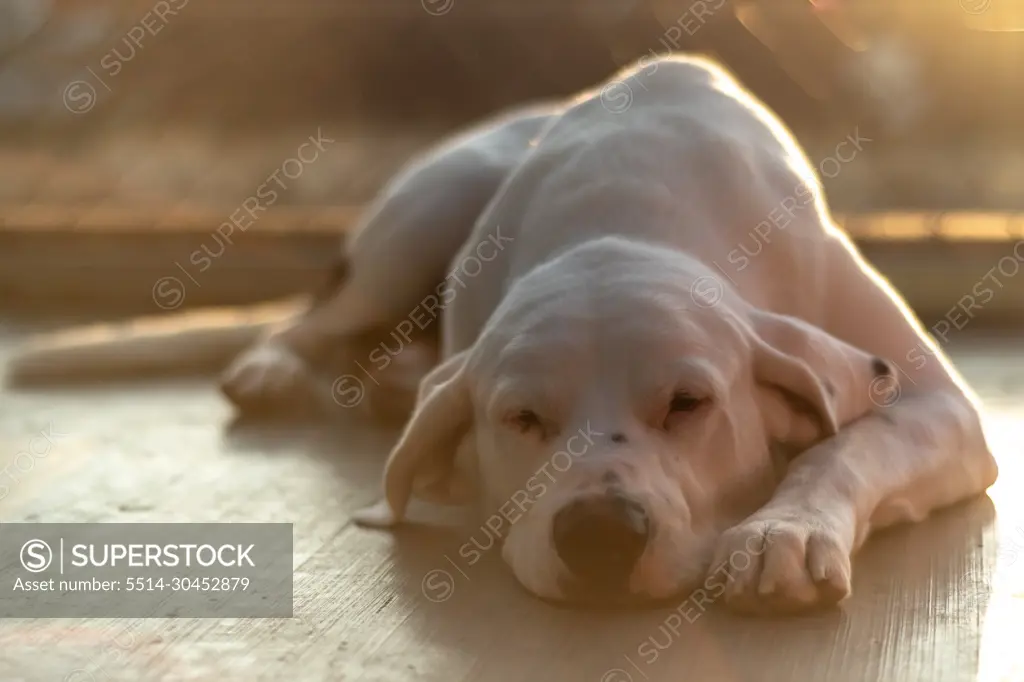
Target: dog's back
676,153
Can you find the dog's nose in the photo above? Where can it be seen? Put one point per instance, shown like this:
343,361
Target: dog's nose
600,538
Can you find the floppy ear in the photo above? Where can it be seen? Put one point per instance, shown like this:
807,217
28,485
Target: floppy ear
813,369
785,423
424,457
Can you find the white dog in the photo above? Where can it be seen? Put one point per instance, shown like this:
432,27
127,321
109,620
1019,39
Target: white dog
645,413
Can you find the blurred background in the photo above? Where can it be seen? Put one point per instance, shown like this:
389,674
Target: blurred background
132,131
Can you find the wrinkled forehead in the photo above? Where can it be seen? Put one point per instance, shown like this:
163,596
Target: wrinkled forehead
645,336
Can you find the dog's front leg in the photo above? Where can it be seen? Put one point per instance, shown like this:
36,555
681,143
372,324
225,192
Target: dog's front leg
896,464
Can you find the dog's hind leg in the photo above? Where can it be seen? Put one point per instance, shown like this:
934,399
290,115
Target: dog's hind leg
393,264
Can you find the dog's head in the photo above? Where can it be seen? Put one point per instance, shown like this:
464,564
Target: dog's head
618,412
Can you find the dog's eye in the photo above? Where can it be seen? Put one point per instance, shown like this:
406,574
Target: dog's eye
525,420
683,402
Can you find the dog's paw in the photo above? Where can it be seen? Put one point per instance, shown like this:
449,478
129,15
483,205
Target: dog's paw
783,563
267,378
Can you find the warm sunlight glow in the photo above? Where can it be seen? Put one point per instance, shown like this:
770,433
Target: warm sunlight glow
994,15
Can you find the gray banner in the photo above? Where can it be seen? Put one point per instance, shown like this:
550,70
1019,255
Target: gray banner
145,570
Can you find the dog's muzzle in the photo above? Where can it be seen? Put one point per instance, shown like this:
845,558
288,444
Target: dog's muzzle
599,539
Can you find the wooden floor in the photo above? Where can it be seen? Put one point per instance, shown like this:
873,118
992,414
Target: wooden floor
939,602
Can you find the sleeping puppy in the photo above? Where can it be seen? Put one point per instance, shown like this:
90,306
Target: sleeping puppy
613,326
646,412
